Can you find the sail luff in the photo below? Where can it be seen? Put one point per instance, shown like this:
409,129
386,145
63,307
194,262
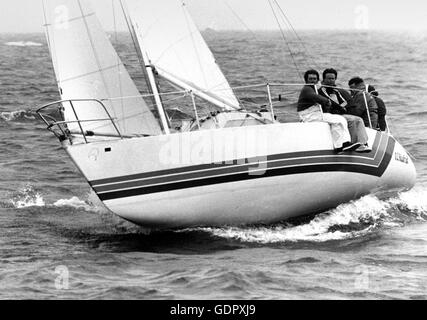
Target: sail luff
133,35
95,53
176,49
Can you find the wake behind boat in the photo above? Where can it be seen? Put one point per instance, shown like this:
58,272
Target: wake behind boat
230,167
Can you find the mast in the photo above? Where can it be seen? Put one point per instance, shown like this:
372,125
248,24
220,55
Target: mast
149,70
137,49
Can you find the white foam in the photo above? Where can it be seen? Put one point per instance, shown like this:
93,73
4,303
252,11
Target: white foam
414,201
368,209
282,234
91,204
28,198
15,115
74,202
24,44
367,212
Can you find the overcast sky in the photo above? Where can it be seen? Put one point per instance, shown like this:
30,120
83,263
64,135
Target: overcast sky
26,15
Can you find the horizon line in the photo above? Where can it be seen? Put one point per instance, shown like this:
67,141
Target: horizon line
262,30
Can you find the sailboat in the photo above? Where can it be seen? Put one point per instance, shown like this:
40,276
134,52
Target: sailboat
230,167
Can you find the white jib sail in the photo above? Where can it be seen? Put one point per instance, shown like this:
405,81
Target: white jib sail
175,47
88,67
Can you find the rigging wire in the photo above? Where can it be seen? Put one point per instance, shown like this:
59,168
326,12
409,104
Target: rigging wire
240,20
240,101
284,38
188,21
52,48
137,49
131,116
287,23
300,41
95,53
151,87
185,13
118,61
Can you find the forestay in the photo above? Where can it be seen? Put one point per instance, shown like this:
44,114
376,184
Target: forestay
169,37
88,67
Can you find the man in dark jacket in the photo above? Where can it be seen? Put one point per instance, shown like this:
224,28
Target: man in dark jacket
362,103
382,110
339,99
309,94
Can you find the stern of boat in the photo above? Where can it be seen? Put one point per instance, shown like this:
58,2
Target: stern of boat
400,173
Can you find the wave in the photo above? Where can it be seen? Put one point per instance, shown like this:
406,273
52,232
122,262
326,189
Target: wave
417,114
21,115
28,197
413,202
348,221
352,220
23,44
75,203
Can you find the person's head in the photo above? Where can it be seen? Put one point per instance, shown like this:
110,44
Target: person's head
372,90
357,83
330,77
311,77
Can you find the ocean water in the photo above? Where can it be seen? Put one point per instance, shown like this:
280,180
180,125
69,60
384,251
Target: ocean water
57,241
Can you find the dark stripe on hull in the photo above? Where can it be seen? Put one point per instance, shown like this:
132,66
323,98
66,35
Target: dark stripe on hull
232,164
374,163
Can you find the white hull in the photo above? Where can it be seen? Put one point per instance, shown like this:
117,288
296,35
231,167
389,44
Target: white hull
235,176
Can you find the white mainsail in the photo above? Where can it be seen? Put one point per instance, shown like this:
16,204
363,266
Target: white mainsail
175,47
88,67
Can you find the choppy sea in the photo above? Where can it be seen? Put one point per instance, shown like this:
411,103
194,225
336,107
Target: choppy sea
57,240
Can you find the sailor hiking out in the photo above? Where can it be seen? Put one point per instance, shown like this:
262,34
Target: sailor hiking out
311,107
340,99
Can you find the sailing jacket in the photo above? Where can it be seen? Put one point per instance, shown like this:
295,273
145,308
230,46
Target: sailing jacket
382,112
357,107
308,97
338,97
